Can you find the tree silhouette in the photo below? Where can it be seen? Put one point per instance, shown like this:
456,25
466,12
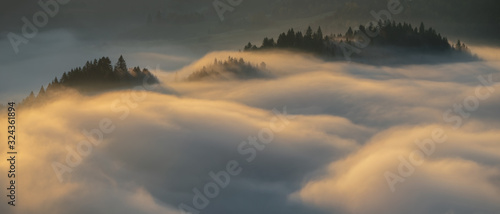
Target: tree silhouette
41,93
309,33
95,76
421,28
232,67
349,34
268,43
121,69
29,100
389,35
319,34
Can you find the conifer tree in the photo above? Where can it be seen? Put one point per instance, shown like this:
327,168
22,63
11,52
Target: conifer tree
121,69
319,34
349,34
309,33
41,93
29,99
422,28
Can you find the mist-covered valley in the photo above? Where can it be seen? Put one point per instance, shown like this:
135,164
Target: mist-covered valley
332,130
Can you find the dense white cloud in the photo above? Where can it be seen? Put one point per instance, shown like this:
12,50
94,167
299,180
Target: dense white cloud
352,123
450,178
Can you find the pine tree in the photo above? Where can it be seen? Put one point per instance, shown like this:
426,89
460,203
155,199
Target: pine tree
121,64
458,46
248,46
49,87
349,34
31,96
64,78
29,100
422,28
282,40
319,34
299,39
309,33
268,43
290,38
41,93
121,69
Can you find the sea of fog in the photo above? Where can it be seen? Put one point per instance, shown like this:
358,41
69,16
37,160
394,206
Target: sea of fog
316,137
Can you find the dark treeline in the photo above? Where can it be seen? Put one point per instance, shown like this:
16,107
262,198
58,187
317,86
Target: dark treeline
405,35
233,67
310,41
95,76
100,73
480,18
384,34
